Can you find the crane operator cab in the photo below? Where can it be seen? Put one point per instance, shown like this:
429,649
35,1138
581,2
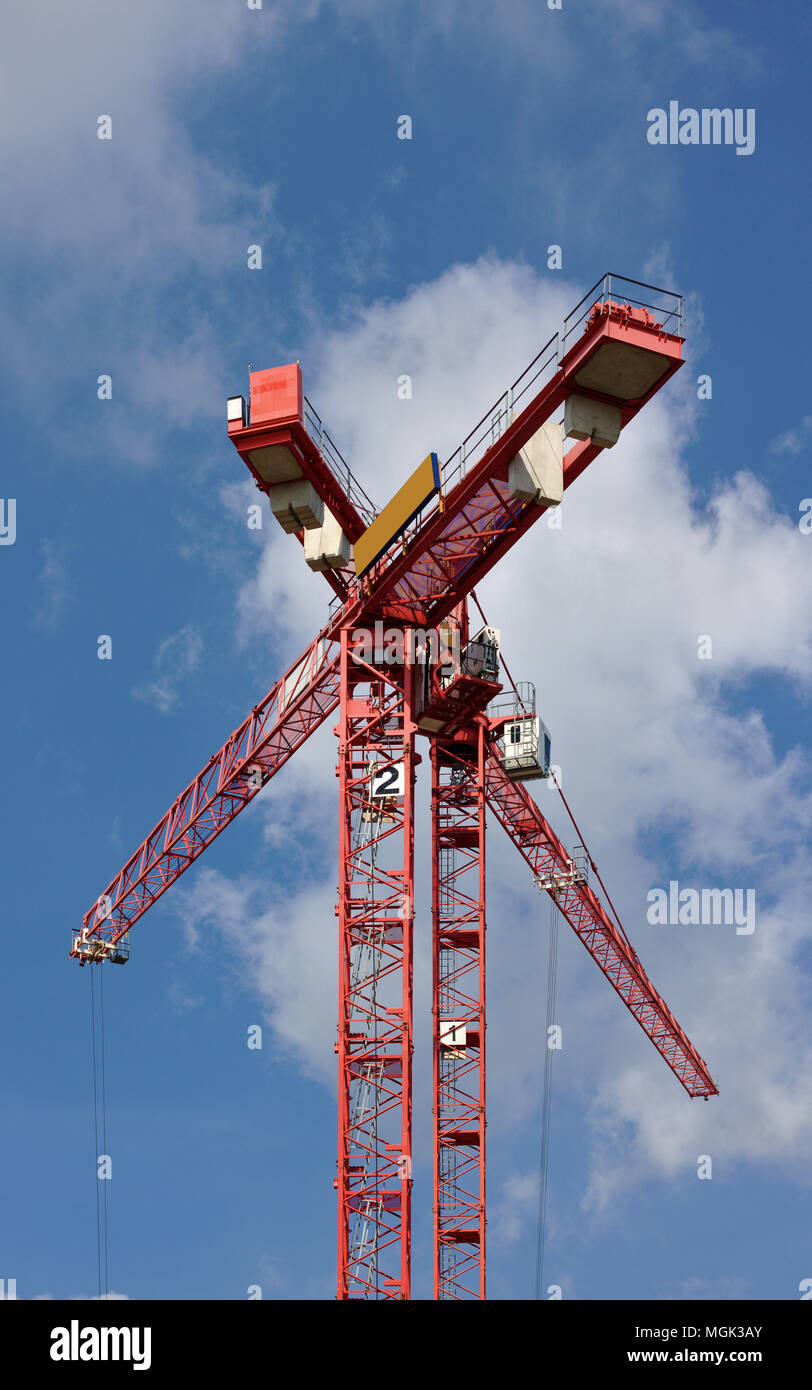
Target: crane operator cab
462,682
525,739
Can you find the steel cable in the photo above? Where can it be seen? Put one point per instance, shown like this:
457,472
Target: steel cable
544,1151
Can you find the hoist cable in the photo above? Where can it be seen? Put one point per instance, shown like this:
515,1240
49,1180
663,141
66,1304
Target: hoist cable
95,1124
104,1125
594,866
99,1127
544,1148
592,863
502,663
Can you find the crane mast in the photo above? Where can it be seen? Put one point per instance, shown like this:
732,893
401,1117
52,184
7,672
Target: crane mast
376,775
397,660
458,1013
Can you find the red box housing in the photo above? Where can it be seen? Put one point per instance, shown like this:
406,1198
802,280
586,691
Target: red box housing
276,395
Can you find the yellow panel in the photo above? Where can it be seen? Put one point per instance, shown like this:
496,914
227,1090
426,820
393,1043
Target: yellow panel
416,491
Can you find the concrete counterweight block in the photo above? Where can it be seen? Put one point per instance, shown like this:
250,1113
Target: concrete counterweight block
328,547
296,506
276,463
536,473
596,421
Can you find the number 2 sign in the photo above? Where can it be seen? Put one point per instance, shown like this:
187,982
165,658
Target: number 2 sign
388,781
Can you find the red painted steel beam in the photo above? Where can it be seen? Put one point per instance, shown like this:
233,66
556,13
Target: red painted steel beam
476,522
314,469
294,707
279,420
513,806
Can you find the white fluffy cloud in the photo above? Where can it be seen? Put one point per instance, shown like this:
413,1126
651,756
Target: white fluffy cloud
117,203
99,231
551,37
286,949
177,657
605,616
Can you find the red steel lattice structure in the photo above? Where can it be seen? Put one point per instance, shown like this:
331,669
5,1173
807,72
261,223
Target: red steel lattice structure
553,868
609,359
376,872
458,1013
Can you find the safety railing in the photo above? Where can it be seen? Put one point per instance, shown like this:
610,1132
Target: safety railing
501,414
668,309
519,700
667,306
338,464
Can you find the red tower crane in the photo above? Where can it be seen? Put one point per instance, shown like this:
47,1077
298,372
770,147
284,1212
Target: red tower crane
397,660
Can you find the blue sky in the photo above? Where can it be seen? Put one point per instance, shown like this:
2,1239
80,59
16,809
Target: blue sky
234,127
